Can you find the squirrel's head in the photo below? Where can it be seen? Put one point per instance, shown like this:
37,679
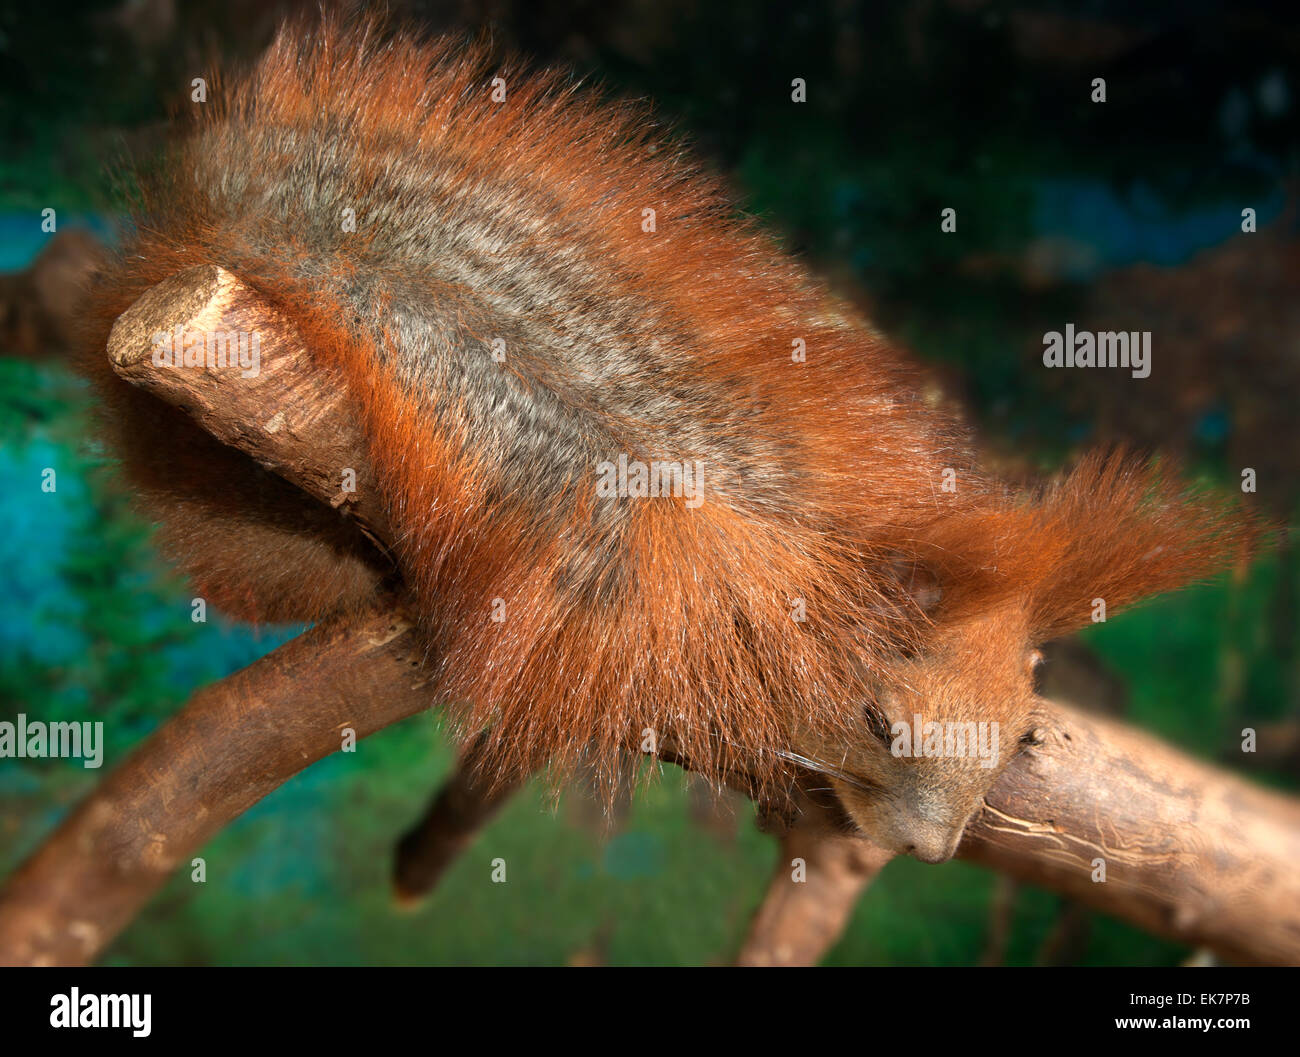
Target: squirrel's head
940,731
942,721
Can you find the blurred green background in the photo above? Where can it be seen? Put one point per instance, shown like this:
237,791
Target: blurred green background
1123,214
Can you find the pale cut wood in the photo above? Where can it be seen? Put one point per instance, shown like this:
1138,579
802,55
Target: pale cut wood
291,415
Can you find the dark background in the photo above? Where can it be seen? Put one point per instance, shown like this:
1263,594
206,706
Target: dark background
1118,215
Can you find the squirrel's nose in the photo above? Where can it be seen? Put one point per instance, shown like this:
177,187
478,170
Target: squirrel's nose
933,844
932,853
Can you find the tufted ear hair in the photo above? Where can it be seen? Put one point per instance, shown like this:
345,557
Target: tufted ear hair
1118,529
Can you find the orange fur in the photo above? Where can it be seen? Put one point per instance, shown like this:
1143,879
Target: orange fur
681,622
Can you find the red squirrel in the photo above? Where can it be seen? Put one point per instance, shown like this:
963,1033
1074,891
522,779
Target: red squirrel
650,480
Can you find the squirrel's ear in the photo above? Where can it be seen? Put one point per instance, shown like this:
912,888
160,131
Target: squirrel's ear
916,582
1118,529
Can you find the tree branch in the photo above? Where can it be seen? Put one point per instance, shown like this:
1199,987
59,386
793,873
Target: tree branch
821,870
235,742
289,415
463,806
1190,852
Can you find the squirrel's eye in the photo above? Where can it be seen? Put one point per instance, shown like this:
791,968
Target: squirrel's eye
876,723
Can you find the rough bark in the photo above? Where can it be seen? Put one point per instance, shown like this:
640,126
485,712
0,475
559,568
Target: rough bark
235,742
821,870
1190,852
